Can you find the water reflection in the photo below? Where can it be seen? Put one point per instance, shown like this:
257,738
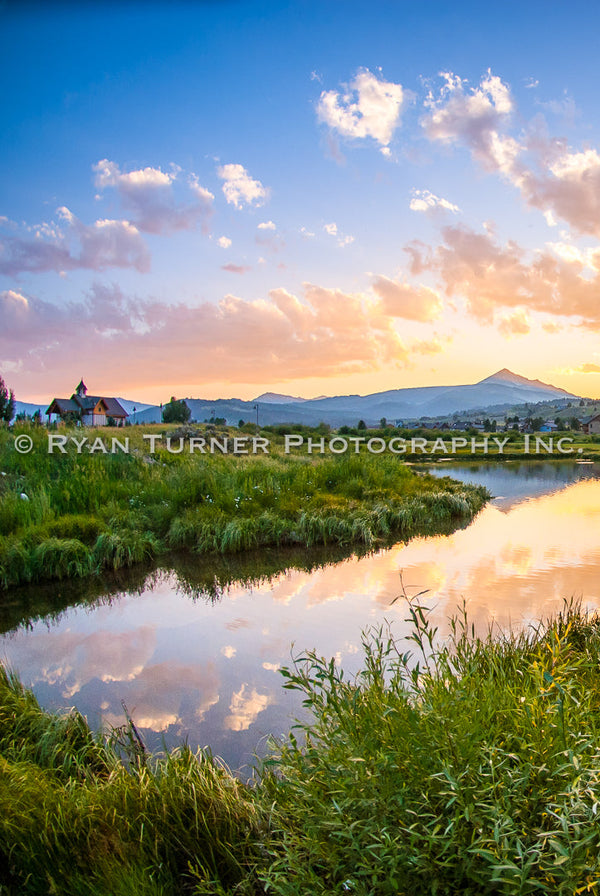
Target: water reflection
514,481
207,669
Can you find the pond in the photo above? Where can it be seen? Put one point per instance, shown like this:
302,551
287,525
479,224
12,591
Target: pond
194,650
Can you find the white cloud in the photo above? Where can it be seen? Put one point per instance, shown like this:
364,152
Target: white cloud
425,201
201,193
241,189
474,116
368,107
149,194
342,240
561,183
587,258
565,108
272,667
245,707
17,299
109,244
108,174
224,242
268,238
104,244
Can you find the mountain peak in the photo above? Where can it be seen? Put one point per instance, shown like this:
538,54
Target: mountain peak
277,398
506,376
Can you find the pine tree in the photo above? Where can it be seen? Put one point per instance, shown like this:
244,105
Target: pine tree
7,402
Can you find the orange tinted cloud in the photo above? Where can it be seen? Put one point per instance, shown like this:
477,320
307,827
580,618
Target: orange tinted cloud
568,187
587,368
324,332
406,301
516,324
491,276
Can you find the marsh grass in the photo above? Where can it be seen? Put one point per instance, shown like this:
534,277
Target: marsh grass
465,766
76,817
84,513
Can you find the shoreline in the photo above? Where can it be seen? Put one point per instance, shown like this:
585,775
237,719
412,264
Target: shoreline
69,515
474,769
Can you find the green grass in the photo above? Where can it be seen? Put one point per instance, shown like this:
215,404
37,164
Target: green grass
84,513
76,818
470,766
474,771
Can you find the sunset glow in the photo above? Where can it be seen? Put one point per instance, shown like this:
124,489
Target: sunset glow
219,199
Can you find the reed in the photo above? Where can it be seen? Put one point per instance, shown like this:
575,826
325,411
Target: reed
464,766
470,767
84,513
78,818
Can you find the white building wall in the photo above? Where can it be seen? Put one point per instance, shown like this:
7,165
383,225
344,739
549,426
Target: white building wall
94,419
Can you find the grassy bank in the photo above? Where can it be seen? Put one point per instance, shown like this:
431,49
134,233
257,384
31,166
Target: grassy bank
69,515
474,771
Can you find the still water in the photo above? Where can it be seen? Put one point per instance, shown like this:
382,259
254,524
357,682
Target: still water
196,656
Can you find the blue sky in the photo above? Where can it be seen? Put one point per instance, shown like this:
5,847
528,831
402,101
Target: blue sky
211,199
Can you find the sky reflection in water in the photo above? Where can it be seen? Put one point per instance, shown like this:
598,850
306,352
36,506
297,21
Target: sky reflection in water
208,671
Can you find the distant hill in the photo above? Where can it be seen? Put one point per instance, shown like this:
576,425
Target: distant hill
128,405
276,398
503,389
27,407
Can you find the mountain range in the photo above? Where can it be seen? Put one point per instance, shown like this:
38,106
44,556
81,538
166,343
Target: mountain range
502,390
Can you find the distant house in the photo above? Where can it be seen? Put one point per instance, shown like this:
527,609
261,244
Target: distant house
590,424
548,426
92,410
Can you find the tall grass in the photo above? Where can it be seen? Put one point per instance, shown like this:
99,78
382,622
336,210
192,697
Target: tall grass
84,513
473,770
470,766
75,818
